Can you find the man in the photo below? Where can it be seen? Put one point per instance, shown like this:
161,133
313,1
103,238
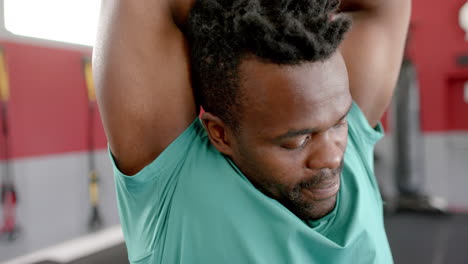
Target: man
279,168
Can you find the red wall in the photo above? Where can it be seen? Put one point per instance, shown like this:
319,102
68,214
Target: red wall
48,108
436,41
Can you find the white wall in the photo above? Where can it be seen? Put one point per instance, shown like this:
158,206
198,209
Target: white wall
53,202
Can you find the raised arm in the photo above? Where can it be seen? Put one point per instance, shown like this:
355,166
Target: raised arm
141,70
373,51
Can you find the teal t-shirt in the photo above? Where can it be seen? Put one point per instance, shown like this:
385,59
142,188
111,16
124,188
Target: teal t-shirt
193,205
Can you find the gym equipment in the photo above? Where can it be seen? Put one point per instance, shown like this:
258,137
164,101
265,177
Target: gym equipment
95,221
8,229
408,146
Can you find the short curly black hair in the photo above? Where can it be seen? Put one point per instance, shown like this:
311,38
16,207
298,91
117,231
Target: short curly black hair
286,32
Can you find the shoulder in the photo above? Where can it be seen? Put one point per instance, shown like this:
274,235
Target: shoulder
360,130
185,145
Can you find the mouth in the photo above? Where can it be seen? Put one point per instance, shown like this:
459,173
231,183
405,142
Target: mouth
324,191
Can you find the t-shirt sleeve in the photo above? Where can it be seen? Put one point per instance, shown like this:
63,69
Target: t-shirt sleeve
363,138
144,199
360,128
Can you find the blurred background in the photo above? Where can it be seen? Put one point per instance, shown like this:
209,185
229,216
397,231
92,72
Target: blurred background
57,190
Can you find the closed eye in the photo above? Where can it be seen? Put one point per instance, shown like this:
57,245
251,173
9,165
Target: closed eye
343,122
297,144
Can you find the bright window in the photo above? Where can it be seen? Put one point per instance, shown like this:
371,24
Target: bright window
73,21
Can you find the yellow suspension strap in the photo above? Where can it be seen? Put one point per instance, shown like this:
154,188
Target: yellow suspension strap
95,221
9,228
4,80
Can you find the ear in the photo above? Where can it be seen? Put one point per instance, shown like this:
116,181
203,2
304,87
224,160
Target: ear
218,132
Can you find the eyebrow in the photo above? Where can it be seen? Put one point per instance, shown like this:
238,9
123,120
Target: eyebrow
295,133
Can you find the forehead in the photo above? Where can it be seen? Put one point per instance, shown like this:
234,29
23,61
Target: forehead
278,98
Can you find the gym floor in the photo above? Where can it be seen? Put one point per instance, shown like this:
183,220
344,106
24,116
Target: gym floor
428,239
414,238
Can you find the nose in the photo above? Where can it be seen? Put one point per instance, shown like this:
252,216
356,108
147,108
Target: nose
326,153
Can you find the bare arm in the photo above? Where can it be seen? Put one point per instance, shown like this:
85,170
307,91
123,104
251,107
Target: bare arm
141,70
373,51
